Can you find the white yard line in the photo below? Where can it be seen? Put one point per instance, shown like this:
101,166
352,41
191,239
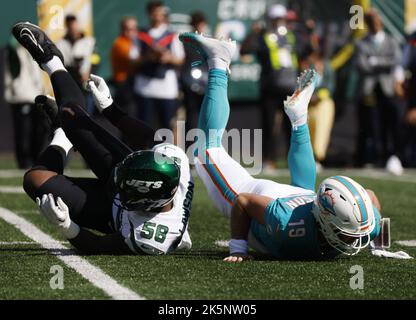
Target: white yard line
13,243
407,243
11,189
16,243
15,173
11,173
92,273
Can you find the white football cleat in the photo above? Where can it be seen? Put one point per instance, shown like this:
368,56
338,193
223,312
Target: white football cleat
296,106
210,48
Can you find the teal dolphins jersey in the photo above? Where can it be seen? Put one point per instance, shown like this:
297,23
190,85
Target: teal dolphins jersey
291,231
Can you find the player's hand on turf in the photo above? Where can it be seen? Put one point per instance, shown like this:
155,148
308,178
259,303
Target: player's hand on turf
100,92
238,257
57,213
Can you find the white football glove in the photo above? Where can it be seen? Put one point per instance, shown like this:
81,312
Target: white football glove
388,254
100,92
58,215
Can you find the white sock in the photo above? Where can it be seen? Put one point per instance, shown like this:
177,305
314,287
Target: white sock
60,140
53,65
217,63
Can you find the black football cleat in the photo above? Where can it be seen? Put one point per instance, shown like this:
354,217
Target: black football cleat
49,109
35,40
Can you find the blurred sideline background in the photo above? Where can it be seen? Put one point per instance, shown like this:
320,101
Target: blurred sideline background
101,19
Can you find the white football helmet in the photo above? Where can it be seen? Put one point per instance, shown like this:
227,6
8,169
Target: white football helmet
345,214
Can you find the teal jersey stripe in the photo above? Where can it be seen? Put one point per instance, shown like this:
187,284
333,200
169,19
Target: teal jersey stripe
356,195
220,181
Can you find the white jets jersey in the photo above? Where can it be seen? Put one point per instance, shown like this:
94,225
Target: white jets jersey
163,232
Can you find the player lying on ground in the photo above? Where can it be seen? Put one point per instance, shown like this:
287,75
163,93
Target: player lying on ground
285,221
140,200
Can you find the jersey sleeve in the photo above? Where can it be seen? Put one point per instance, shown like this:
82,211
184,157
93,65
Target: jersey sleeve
185,242
271,215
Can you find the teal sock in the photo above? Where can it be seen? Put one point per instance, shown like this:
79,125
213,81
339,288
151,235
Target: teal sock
215,108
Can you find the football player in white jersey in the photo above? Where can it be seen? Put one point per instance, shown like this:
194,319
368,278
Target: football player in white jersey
141,198
284,221
150,230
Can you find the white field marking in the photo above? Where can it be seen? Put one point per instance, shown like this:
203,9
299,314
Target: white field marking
11,173
15,243
15,173
222,243
12,243
11,189
92,273
407,243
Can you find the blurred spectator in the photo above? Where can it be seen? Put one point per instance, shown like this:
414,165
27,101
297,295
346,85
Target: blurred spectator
377,56
308,37
276,52
78,52
305,32
124,59
194,78
409,64
292,20
23,82
156,84
322,106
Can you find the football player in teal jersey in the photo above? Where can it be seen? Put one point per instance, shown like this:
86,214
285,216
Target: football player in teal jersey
285,221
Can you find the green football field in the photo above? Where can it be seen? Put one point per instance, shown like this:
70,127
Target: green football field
25,266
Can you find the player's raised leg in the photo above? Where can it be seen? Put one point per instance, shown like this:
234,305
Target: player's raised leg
51,161
223,177
83,196
99,148
301,160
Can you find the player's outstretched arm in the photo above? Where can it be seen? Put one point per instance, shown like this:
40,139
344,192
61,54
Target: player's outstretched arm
57,213
137,133
245,208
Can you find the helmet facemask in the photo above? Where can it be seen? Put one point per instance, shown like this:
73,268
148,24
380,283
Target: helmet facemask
344,242
131,204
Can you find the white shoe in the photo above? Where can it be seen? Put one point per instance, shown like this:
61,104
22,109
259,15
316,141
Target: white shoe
394,166
296,106
210,48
